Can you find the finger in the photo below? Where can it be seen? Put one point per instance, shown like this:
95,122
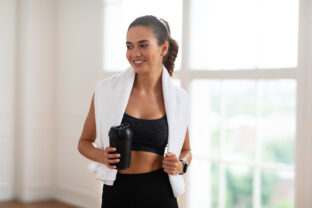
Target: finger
166,166
113,160
111,155
169,170
171,166
172,171
171,159
170,154
111,149
168,163
111,167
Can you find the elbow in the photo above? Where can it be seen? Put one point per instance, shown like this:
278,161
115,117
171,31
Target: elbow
79,146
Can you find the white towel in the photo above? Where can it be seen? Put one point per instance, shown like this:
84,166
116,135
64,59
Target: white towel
110,102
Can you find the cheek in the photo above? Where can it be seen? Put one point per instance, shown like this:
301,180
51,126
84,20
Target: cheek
128,55
156,54
152,54
155,57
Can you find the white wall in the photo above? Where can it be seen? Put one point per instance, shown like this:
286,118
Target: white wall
77,58
49,65
7,95
35,99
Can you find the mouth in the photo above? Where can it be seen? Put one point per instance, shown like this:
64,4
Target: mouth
138,63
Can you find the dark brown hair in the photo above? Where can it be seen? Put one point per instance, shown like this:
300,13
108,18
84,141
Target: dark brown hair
161,31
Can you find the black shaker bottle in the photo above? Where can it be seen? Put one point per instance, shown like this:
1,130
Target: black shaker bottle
120,137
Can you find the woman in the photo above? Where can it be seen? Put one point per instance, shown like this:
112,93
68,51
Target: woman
145,183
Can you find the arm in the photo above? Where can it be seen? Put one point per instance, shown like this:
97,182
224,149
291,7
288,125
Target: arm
88,136
186,151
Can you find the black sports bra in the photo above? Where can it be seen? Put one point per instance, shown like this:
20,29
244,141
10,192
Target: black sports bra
148,135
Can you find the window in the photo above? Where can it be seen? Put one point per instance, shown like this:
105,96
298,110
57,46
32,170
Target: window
238,62
118,14
243,134
243,102
243,34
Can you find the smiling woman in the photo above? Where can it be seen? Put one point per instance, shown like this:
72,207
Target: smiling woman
149,43
151,53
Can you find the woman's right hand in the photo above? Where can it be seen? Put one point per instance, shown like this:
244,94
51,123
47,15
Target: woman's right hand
111,158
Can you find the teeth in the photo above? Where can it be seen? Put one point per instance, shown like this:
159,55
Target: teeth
138,62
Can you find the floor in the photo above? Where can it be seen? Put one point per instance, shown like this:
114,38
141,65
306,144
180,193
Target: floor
42,204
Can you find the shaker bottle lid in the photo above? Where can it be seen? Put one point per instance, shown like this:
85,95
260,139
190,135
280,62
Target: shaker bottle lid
122,129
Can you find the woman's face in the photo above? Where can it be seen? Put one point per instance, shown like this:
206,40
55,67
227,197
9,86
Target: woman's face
143,52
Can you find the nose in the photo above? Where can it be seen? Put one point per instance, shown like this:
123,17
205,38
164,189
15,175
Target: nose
136,52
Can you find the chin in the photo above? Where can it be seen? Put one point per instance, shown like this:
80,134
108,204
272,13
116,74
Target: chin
140,70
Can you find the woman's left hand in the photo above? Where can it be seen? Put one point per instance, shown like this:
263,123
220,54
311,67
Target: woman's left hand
172,164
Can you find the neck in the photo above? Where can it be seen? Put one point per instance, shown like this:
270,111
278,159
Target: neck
149,82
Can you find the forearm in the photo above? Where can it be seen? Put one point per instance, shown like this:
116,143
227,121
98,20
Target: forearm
187,156
87,149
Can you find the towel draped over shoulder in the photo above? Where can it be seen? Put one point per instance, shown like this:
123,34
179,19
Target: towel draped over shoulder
111,97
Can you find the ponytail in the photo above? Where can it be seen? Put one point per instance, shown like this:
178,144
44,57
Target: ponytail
171,55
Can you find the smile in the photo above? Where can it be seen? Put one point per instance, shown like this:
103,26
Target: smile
138,63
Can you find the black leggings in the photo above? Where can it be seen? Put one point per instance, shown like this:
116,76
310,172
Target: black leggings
148,190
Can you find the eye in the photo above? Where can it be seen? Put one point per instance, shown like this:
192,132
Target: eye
144,45
129,47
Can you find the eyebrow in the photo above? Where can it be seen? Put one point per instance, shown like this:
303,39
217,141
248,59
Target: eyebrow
140,41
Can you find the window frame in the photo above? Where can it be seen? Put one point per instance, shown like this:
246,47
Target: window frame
303,179
302,74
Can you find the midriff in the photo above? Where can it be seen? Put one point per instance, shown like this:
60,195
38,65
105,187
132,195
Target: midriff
143,162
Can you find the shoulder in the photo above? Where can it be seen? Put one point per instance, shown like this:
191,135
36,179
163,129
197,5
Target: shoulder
109,83
108,80
104,87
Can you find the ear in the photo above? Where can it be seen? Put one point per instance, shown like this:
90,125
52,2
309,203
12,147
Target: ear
165,48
